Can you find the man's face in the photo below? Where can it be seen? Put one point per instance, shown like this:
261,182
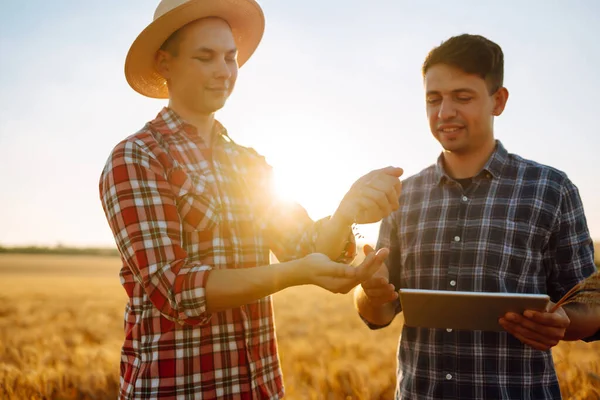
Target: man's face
460,109
202,74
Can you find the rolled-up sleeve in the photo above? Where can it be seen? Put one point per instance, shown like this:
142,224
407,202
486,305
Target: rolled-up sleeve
142,213
569,258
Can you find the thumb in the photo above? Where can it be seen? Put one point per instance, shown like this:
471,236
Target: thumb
367,249
382,254
394,171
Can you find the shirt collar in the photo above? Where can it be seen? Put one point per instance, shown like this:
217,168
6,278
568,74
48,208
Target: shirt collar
168,122
493,166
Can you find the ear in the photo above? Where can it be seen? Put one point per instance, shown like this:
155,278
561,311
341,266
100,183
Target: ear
162,62
500,99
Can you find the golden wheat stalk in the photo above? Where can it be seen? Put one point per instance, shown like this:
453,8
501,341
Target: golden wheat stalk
586,291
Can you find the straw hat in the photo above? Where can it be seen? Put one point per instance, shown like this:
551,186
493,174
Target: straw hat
245,17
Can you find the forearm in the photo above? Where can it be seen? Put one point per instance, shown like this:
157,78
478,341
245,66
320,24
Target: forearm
375,314
333,236
230,288
585,321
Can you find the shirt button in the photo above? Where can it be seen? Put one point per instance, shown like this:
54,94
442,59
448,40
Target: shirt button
448,376
452,283
448,330
457,238
465,198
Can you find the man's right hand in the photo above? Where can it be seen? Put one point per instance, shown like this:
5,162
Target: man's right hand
319,270
378,288
372,197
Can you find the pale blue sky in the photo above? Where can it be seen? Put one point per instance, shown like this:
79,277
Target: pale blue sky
333,91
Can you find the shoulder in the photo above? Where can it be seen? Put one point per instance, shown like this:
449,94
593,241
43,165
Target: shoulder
552,184
138,148
530,170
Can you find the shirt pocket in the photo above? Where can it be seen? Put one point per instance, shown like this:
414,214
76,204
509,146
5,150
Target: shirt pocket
521,269
198,207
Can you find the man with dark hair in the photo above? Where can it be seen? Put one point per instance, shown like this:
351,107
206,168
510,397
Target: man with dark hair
480,219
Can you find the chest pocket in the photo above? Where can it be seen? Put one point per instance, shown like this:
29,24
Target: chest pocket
198,206
527,227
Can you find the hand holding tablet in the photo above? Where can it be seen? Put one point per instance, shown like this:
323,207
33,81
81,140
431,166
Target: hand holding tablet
465,310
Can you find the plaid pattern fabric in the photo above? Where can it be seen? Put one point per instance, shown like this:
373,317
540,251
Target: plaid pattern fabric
178,210
519,227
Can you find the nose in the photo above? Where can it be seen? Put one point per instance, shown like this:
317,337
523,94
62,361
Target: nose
447,110
223,69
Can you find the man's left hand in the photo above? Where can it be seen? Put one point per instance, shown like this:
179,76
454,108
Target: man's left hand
540,330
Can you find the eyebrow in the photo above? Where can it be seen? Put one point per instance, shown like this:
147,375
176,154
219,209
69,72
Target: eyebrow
455,91
212,51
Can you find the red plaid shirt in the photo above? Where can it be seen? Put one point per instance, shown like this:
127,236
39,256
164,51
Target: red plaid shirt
177,210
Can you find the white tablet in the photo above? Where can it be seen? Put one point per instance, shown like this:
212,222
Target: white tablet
464,310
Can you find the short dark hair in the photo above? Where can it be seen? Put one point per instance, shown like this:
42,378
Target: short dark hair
473,54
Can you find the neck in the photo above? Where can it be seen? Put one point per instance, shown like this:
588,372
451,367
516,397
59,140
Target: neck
467,165
203,123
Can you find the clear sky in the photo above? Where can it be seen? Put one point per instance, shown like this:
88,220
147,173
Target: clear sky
333,91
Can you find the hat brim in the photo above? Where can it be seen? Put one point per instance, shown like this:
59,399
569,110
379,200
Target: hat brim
245,17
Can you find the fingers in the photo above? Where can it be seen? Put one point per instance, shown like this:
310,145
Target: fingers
388,185
382,297
538,335
548,319
530,342
383,291
379,290
527,337
375,282
341,278
393,171
341,270
398,188
383,190
371,264
392,198
552,325
372,197
332,269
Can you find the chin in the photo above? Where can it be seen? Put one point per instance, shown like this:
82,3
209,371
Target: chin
216,104
210,107
454,146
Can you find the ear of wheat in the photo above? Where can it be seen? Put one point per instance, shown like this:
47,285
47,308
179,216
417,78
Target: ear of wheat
586,291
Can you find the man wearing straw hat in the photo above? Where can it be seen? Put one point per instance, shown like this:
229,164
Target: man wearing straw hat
194,218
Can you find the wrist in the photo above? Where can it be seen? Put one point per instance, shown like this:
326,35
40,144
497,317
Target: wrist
293,273
341,219
362,297
376,313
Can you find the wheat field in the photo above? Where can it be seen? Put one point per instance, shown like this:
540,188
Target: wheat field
61,330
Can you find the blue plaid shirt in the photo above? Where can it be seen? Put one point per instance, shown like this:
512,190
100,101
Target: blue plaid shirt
519,227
